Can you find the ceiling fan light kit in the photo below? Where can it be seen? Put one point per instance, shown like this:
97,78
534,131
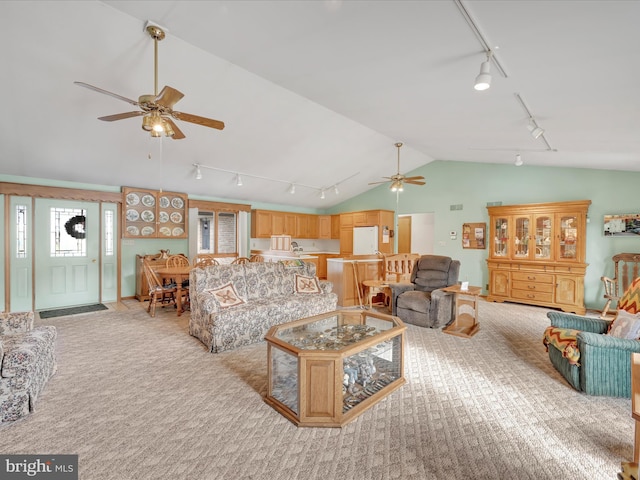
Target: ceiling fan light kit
157,109
398,180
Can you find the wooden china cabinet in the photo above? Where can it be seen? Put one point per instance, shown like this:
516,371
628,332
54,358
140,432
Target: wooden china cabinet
537,254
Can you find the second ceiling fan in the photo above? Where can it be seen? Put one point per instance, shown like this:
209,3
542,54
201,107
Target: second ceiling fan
157,110
398,180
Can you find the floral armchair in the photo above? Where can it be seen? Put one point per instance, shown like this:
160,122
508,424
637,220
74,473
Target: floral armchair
27,361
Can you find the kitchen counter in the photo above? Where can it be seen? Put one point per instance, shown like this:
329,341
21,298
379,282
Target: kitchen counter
349,274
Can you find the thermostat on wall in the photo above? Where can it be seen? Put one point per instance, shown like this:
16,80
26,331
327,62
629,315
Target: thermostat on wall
453,235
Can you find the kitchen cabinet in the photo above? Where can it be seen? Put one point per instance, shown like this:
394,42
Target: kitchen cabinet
537,254
306,226
265,223
324,226
383,219
348,276
335,227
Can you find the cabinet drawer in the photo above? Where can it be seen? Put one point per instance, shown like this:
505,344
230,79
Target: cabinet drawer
532,295
533,287
578,270
532,277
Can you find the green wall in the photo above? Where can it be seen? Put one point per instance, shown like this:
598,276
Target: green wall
452,183
474,185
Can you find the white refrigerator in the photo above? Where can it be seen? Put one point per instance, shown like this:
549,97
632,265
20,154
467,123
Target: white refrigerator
365,240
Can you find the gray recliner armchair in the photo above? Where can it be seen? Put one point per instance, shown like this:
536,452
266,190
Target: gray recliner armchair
422,302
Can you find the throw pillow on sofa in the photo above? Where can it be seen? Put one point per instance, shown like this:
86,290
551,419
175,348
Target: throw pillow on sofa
306,284
625,325
226,295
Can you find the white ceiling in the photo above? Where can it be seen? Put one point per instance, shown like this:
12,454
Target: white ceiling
315,92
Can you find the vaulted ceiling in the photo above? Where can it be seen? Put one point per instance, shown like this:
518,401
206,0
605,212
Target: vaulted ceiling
316,92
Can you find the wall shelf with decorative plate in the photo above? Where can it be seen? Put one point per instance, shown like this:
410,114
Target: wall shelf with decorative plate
153,214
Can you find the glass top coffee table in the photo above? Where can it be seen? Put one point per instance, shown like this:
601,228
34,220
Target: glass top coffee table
325,370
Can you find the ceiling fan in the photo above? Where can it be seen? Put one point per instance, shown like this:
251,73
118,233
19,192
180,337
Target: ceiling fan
157,110
398,180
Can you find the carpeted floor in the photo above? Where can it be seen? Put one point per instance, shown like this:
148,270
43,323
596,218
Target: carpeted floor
138,398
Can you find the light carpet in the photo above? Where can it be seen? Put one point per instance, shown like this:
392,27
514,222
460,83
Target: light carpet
138,398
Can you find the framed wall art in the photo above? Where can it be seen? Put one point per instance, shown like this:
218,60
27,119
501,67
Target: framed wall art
622,225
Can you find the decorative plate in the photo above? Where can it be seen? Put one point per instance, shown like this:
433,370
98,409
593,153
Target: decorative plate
133,230
177,202
164,202
148,200
166,231
176,217
177,232
147,216
146,231
164,217
132,215
133,199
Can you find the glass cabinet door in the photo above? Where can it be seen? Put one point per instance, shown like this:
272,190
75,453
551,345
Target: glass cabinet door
500,237
569,234
543,236
521,237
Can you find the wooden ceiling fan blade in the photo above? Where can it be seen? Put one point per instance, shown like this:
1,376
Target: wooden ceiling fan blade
177,135
415,182
205,122
121,116
169,96
419,177
106,92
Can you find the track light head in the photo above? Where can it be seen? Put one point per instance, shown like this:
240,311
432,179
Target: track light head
198,173
322,195
335,190
292,189
518,161
483,80
535,130
238,180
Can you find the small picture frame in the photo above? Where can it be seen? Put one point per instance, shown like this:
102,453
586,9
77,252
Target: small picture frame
473,235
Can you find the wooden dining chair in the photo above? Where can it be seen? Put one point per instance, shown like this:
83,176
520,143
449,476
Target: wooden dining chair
240,260
164,294
177,261
397,268
626,268
256,258
204,260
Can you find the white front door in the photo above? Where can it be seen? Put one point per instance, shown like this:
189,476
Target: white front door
67,253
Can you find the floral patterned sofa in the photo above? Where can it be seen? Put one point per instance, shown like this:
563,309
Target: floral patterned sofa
27,361
235,305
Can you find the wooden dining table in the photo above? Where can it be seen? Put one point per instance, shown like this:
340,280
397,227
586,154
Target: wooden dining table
178,275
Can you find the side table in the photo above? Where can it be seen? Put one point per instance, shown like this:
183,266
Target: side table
465,323
374,287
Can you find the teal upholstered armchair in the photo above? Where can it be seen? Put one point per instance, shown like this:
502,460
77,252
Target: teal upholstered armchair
591,361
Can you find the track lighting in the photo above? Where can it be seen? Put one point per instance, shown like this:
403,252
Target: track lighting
483,80
518,161
322,191
534,129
